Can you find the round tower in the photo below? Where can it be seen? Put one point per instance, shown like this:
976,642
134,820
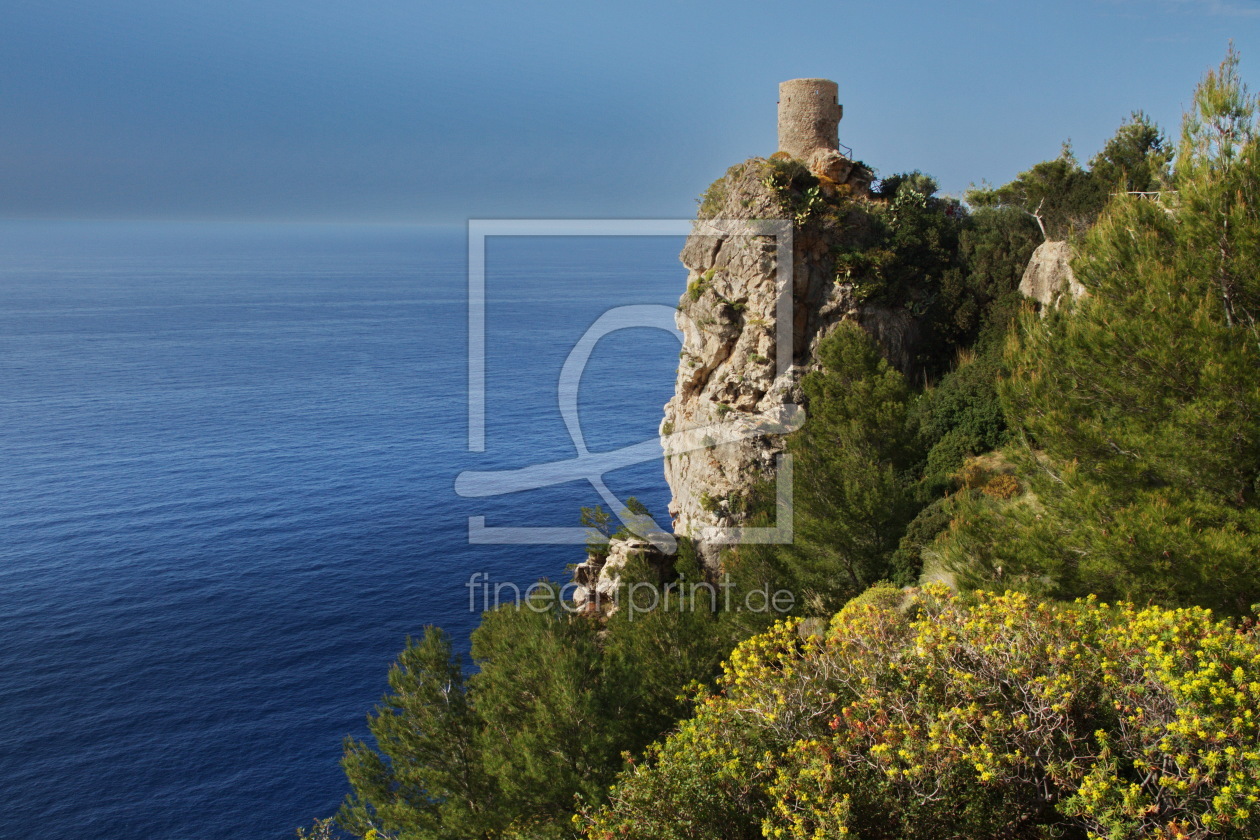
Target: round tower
809,116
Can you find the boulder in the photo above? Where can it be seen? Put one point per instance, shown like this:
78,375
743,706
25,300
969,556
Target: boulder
1049,276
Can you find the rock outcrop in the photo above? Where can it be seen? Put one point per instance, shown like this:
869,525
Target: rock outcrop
737,392
831,166
1048,277
734,398
599,577
728,375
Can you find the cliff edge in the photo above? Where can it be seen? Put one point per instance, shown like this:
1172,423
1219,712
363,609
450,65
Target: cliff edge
729,372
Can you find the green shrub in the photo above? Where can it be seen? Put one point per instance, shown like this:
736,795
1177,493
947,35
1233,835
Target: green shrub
709,503
944,460
962,416
712,199
696,288
907,561
997,243
787,173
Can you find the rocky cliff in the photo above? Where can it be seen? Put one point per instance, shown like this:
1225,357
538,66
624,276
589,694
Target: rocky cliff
734,397
729,373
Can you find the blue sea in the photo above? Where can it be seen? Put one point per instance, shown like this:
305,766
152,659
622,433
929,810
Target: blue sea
227,467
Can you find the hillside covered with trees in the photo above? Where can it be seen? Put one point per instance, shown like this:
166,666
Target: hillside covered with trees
1026,575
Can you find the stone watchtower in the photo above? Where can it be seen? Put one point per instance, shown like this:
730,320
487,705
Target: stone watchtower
809,116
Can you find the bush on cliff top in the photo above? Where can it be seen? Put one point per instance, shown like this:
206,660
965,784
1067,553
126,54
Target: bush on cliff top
928,715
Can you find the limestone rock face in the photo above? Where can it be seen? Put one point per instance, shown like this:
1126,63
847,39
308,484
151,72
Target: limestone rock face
730,390
598,579
1049,276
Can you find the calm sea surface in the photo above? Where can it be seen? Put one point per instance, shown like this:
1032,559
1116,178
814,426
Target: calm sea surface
227,464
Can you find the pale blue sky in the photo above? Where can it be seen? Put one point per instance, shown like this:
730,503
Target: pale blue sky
385,110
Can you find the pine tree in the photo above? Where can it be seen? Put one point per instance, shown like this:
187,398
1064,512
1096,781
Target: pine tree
1136,159
851,500
1218,179
538,692
425,777
1139,409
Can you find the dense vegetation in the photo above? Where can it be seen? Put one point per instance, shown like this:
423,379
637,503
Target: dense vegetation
1138,412
540,726
924,715
1065,199
1109,449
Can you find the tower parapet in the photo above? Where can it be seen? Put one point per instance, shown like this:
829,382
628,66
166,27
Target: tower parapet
809,116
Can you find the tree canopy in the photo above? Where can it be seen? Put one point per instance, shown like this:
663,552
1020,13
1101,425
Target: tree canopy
1138,409
1065,199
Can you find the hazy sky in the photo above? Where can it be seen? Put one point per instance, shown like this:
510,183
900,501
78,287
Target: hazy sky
383,110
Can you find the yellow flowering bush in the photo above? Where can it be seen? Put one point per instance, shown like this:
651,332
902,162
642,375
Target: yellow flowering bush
922,714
